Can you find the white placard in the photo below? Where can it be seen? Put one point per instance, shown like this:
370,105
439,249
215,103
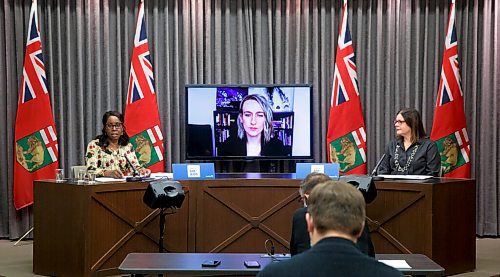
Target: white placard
318,168
193,171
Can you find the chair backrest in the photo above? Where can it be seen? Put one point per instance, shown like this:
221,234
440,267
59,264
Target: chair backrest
76,168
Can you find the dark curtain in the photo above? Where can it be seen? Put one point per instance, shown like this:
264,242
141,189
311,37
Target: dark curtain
87,46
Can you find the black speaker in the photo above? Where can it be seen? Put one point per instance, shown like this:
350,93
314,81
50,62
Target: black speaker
164,194
364,184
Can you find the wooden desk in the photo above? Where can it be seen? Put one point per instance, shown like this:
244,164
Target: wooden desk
88,230
436,217
232,263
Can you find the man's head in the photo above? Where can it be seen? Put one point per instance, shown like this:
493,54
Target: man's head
310,182
335,209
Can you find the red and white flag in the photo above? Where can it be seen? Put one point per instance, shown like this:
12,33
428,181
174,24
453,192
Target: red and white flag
346,137
142,118
36,150
449,126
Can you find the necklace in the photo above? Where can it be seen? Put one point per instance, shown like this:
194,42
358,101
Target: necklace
408,162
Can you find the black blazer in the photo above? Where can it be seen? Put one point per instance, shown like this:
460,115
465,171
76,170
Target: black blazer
300,241
234,146
331,256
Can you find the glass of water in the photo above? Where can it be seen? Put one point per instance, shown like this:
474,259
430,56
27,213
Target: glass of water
91,176
59,175
80,176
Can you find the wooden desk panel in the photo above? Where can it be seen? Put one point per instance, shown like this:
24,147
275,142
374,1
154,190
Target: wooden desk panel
435,218
88,230
238,215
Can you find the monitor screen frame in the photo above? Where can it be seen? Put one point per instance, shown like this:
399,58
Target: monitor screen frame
245,158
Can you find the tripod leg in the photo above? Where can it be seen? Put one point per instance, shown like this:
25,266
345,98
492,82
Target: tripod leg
162,230
25,234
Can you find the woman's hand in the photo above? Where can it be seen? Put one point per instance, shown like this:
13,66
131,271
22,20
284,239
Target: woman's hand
117,174
145,172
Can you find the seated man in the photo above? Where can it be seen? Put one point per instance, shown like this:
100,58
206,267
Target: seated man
300,242
335,219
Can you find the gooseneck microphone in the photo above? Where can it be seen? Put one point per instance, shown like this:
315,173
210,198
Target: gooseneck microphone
374,172
136,177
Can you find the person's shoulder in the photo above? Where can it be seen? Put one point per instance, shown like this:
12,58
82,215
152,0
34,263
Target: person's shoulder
427,142
300,212
289,267
274,147
94,143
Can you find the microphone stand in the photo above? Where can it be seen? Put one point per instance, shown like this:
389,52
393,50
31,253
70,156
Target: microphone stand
135,177
374,172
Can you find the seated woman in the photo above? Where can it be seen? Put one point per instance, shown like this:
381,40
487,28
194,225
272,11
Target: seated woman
411,152
107,154
255,131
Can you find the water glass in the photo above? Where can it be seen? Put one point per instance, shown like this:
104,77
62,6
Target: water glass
80,176
91,176
59,175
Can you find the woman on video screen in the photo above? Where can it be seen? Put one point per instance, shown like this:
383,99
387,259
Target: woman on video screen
255,131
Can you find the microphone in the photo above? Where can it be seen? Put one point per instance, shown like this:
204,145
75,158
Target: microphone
374,172
136,177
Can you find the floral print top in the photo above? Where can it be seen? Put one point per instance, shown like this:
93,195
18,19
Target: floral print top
100,159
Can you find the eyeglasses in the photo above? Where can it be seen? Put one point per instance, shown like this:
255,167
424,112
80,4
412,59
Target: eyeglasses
114,126
399,122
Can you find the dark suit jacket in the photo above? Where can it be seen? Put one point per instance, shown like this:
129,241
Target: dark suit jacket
300,242
331,256
234,146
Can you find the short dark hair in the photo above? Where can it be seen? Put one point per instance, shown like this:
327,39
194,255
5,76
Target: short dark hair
337,206
414,121
311,180
103,137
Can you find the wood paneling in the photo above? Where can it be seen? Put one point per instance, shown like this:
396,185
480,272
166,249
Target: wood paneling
88,230
434,217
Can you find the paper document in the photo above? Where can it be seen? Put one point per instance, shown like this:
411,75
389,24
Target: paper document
399,264
409,177
159,175
108,180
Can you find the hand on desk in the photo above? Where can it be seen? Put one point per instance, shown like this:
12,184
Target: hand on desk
144,172
117,174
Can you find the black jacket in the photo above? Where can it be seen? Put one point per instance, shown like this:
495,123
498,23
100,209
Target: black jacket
424,160
331,256
234,146
300,241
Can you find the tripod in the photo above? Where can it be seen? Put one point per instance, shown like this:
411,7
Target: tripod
163,214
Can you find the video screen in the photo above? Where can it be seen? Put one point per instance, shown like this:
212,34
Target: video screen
248,122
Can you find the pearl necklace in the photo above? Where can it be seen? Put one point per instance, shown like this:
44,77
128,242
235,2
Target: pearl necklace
408,162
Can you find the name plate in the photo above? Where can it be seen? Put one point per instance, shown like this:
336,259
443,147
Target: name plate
193,171
330,169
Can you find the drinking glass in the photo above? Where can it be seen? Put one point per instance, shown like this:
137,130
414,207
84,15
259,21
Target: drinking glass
80,176
91,176
59,175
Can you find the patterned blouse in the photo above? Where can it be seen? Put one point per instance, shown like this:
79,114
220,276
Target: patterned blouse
100,159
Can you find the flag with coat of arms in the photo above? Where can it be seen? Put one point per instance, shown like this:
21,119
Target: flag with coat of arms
142,118
35,149
346,136
449,127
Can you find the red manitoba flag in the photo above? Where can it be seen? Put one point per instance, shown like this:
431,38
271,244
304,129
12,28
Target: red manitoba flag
35,149
142,118
346,137
449,127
